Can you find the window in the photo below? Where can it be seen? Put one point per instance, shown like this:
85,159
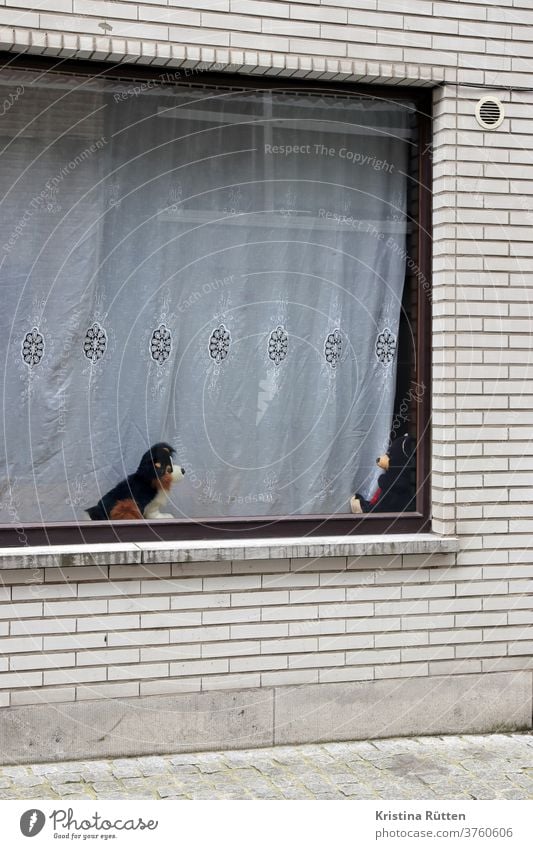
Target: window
238,267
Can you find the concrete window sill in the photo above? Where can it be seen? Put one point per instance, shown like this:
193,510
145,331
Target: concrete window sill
63,556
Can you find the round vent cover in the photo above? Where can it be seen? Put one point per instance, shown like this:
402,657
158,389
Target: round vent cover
489,113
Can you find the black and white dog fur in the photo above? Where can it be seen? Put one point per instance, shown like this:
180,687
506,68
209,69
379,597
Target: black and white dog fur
143,494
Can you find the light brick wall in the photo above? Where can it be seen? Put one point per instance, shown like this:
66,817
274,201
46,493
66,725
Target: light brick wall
92,632
222,625
483,393
475,42
483,201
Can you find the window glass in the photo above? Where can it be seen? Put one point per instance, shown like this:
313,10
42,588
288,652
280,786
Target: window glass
222,269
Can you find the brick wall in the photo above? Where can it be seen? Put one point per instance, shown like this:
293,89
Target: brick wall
174,628
488,43
92,632
483,260
483,401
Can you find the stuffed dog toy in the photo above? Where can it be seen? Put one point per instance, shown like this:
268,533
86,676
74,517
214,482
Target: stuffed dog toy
142,494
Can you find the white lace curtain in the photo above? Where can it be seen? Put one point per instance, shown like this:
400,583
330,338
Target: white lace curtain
222,269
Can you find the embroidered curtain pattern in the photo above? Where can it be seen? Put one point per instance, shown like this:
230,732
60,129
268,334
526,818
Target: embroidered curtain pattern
215,267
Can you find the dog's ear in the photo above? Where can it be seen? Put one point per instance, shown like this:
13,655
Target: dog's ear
161,451
154,461
149,467
145,466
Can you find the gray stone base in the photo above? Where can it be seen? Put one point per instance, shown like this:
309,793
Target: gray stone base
240,719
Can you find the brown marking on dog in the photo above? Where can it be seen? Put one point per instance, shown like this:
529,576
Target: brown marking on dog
164,482
125,509
158,465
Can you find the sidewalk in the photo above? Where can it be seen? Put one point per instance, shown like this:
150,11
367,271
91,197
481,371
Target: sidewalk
498,766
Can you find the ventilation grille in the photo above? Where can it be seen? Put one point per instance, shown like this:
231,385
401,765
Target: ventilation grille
489,113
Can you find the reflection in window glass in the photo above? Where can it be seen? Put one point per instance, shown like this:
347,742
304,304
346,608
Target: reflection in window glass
217,268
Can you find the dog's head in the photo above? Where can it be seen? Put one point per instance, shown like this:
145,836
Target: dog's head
158,467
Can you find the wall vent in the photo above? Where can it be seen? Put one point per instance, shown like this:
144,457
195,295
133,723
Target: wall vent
489,113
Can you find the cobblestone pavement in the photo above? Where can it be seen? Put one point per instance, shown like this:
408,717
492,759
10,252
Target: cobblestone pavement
498,766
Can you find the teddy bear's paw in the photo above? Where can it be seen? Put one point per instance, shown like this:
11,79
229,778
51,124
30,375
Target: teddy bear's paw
355,505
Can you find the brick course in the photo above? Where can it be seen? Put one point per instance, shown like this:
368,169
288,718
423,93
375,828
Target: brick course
375,627
415,41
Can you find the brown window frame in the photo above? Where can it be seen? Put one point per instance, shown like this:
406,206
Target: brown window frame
72,533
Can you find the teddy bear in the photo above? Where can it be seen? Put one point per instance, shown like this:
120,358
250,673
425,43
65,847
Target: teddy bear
396,486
